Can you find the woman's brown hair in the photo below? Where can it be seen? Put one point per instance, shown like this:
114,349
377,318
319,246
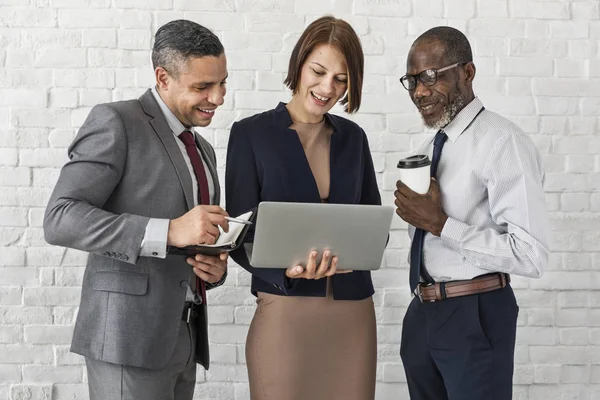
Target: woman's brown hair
339,34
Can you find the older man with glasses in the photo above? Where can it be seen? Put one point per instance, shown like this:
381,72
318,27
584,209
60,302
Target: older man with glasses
483,219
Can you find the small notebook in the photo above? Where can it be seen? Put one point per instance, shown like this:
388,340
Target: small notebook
226,242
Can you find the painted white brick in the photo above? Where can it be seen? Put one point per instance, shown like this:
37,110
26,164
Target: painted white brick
134,39
429,8
572,68
520,47
582,49
537,29
10,296
43,157
41,118
316,7
270,81
80,3
99,38
89,18
136,19
27,17
18,58
557,106
35,391
575,374
216,21
383,8
492,9
143,4
595,202
256,42
496,28
118,58
51,296
92,97
48,334
585,10
15,176
208,5
52,374
63,98
25,98
265,5
564,87
575,202
547,374
51,37
525,67
569,29
553,125
590,106
539,10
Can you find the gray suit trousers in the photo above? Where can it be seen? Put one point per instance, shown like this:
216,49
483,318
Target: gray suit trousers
175,381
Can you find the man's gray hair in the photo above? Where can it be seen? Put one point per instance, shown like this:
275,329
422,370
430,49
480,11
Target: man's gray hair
178,41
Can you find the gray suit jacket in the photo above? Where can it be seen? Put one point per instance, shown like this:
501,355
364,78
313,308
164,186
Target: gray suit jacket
125,167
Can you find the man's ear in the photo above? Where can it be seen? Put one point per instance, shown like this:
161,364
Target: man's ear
162,78
470,71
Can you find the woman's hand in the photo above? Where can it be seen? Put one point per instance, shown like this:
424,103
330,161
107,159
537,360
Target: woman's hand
327,267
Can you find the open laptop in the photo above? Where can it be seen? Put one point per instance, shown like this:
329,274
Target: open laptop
287,232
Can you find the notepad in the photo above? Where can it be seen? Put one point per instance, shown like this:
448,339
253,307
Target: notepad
235,229
226,242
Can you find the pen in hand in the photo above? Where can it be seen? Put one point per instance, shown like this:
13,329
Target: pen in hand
239,221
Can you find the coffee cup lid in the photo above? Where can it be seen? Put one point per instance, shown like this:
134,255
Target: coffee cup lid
416,161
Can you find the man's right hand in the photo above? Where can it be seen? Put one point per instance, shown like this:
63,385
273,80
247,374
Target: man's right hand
197,226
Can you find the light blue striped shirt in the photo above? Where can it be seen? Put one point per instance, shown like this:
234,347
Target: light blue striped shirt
491,181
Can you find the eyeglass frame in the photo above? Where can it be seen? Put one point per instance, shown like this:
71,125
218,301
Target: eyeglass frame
417,77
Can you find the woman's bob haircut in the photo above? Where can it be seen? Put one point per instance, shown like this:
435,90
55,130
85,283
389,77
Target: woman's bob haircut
339,34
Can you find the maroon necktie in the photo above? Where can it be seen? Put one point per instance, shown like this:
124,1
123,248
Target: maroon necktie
203,195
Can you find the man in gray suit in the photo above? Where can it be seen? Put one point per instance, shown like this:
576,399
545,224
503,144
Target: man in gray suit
140,179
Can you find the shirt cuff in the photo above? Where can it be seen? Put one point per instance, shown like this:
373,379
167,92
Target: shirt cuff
154,243
453,232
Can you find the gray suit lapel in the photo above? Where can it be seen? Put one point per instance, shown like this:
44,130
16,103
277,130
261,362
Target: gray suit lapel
161,127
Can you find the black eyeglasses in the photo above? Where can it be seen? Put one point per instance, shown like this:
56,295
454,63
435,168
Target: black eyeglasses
428,77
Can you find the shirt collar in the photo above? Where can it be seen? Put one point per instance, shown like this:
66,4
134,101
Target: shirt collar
463,119
174,123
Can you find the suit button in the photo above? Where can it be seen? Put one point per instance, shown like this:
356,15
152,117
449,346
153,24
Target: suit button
106,254
154,253
125,257
183,284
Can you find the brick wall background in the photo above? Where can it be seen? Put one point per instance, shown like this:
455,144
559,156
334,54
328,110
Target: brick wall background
538,64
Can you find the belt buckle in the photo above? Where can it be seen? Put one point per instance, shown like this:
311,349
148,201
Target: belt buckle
420,293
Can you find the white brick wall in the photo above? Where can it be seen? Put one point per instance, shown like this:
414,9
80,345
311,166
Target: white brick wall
538,64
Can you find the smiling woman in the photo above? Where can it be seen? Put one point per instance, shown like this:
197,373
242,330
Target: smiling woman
302,331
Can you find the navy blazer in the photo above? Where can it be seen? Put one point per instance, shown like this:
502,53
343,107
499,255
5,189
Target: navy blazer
266,162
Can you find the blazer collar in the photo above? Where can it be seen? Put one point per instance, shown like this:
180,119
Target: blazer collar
283,118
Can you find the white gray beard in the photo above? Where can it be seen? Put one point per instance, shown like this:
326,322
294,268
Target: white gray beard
450,111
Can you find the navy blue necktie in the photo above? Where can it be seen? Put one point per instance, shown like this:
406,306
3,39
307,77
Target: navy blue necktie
416,249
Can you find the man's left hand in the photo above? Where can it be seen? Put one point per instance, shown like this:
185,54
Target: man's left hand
209,268
421,210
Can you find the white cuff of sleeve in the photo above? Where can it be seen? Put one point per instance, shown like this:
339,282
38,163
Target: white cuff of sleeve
154,243
453,232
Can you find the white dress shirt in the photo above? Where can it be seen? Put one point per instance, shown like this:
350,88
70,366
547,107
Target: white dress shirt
491,181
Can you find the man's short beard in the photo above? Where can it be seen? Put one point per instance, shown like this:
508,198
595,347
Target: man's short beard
450,111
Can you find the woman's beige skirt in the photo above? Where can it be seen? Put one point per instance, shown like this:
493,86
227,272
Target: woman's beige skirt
312,348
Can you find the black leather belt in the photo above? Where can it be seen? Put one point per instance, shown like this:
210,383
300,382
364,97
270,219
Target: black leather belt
190,311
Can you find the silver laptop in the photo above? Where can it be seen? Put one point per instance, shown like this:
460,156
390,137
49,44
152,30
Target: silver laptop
287,232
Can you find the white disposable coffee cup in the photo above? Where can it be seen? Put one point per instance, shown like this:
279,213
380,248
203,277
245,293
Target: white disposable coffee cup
414,172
